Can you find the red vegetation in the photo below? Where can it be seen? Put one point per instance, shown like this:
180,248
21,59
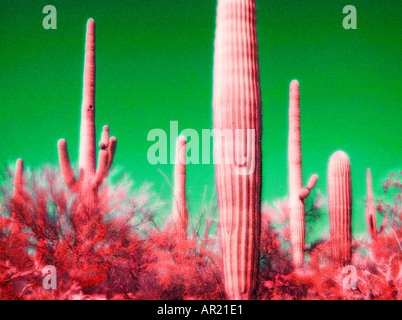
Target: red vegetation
127,253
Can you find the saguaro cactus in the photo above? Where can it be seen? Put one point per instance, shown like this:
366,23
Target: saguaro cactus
297,193
19,180
340,207
236,114
90,178
371,213
18,192
180,214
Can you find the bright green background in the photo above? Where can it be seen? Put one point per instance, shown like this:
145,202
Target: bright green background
154,65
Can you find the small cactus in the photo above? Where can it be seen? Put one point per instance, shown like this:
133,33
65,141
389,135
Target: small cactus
19,179
180,214
237,108
90,178
340,207
371,212
297,193
18,193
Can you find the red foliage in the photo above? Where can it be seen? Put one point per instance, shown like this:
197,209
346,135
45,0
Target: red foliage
377,263
124,252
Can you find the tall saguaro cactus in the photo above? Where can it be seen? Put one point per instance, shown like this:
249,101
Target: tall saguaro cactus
180,214
340,207
297,193
236,114
371,213
90,178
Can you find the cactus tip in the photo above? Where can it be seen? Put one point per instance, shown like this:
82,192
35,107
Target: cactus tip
294,83
340,155
181,138
294,89
62,142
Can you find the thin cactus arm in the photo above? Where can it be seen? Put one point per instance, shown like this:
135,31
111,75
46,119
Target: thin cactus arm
384,224
369,221
65,165
305,192
106,155
111,151
371,216
370,207
104,143
102,169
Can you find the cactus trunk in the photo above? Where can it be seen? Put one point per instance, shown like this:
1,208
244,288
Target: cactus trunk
237,134
297,193
90,178
87,156
340,207
180,214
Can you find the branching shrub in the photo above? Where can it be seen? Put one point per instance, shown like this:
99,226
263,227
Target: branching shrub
129,249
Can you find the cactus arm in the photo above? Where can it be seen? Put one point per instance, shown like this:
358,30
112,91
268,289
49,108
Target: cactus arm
370,207
371,216
305,192
104,143
65,165
106,154
369,221
111,150
102,169
312,182
384,224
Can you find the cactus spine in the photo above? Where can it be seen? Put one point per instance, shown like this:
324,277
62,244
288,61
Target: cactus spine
237,109
180,214
371,212
340,207
90,178
297,193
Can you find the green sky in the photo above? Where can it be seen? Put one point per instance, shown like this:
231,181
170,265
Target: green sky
154,65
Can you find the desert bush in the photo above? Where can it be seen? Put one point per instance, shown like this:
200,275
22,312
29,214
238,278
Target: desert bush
100,257
129,250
